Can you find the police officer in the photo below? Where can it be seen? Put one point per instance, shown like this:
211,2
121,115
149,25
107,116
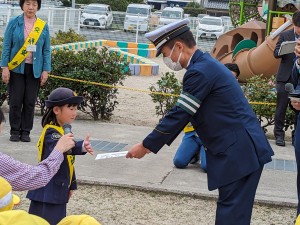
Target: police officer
214,103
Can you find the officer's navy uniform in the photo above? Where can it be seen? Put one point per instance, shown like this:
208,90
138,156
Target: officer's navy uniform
237,148
296,81
49,202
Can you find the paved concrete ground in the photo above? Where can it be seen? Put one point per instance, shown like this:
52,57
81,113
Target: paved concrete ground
156,172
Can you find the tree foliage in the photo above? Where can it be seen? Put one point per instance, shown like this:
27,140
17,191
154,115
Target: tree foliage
259,89
70,36
169,85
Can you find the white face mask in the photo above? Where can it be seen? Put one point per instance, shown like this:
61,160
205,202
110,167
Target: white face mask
176,66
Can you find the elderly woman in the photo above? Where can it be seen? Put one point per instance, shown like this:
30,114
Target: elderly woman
26,62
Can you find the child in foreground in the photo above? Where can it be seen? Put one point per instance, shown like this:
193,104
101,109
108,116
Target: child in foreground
50,202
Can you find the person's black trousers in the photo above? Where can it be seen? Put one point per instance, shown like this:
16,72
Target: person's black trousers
23,91
281,106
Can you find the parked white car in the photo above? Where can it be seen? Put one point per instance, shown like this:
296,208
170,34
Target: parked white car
211,27
227,23
96,15
170,14
137,15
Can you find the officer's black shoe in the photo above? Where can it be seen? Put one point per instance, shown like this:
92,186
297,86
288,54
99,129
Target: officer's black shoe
25,138
195,158
14,137
280,142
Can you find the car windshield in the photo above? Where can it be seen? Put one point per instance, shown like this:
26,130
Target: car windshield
226,20
210,21
134,10
95,10
171,14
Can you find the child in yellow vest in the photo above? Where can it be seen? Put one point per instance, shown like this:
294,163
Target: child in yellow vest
190,150
50,202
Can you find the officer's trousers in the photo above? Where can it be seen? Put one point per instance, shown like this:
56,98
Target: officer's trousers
297,154
235,203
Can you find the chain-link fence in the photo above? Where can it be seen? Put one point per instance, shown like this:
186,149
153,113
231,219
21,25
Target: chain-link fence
117,26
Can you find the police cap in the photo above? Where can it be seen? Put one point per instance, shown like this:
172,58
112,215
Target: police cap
166,33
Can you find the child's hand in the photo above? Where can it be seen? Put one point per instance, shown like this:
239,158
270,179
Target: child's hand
87,145
65,143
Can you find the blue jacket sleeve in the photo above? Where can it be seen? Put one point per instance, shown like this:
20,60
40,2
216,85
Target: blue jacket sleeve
51,138
167,130
177,118
77,150
47,51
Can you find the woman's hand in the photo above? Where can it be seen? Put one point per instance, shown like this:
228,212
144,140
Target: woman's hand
44,77
65,143
5,75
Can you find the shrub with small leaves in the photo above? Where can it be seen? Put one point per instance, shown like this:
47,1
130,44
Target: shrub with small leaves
70,36
171,87
259,89
3,87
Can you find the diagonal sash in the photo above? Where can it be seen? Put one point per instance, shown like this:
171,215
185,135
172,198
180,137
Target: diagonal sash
32,38
40,145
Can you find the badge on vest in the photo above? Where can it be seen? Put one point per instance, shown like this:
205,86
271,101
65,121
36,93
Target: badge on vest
31,48
55,136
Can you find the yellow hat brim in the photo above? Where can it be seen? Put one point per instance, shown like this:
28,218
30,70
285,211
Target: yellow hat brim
16,199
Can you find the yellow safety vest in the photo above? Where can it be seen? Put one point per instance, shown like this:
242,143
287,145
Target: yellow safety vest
40,144
32,39
188,128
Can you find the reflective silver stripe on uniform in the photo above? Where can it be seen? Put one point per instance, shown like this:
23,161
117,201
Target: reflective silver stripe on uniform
188,103
6,199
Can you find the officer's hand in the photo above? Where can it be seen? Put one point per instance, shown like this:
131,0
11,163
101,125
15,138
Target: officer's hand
137,151
65,143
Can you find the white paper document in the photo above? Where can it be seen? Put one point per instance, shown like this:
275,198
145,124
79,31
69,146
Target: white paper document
111,155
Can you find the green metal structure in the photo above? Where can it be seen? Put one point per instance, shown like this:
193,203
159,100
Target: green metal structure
241,11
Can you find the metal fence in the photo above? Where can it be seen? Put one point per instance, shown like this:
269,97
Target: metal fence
70,18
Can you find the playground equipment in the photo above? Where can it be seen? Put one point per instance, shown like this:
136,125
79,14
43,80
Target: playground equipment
247,47
242,11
